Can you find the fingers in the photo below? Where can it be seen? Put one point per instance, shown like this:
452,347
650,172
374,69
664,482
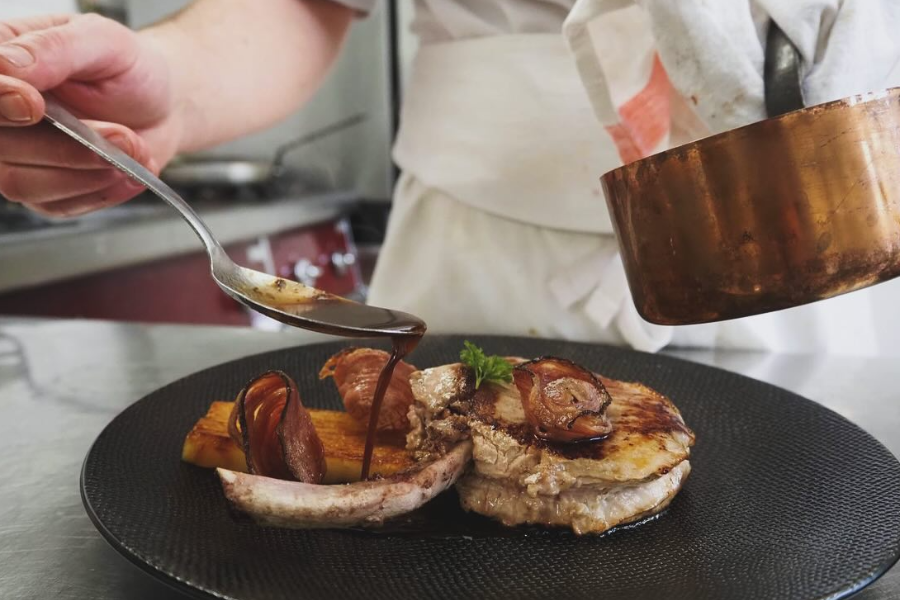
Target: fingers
20,103
39,166
79,205
13,28
40,185
43,145
52,174
86,47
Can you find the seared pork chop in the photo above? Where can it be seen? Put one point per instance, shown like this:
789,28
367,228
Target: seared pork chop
518,477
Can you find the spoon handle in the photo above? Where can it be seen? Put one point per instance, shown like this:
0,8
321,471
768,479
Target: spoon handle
67,122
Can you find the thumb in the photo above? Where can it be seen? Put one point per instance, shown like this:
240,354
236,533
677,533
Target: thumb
84,48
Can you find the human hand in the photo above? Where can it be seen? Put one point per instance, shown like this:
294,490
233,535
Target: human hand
119,82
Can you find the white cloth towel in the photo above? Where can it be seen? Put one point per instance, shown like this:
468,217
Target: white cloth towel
713,50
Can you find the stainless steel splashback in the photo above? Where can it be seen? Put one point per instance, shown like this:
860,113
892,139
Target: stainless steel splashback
360,82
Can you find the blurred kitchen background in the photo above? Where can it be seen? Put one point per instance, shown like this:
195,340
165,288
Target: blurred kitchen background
318,217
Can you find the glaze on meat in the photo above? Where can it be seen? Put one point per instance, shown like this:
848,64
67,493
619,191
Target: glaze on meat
355,372
563,402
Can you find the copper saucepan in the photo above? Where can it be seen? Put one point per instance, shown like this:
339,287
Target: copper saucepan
789,210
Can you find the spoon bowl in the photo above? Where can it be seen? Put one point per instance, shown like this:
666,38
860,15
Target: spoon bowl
309,308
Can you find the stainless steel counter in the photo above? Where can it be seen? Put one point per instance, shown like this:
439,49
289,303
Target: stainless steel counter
61,382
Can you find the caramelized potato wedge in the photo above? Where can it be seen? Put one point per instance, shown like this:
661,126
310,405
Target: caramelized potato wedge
209,445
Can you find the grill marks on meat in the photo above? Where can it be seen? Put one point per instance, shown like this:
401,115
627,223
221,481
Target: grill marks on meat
275,430
563,402
355,372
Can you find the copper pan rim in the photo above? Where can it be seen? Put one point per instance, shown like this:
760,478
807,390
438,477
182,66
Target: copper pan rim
785,119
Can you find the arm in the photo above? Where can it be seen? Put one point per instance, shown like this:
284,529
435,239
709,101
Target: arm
249,63
219,69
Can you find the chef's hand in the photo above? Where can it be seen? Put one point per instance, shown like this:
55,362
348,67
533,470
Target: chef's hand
108,75
174,87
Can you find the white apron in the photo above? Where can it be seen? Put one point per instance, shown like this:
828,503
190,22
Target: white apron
499,224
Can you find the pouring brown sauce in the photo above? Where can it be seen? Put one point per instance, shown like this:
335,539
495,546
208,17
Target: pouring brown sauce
401,347
333,315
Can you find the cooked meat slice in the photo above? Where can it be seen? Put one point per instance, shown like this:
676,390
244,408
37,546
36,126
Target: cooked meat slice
452,386
355,372
563,402
591,509
438,388
648,435
648,438
520,477
433,427
302,506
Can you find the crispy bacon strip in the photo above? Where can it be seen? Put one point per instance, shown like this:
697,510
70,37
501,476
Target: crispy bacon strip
563,402
355,372
275,430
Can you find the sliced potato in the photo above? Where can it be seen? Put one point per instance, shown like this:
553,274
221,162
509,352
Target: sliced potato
209,445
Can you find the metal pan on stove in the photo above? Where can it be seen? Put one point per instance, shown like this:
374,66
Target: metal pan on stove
217,173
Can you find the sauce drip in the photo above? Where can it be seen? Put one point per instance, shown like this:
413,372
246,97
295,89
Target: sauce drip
401,347
320,311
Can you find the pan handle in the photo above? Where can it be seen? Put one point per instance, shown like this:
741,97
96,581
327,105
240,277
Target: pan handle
278,162
781,74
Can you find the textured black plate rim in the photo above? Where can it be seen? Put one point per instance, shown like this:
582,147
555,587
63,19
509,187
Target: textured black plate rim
170,579
196,590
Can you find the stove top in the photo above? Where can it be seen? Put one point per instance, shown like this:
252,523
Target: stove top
18,224
16,219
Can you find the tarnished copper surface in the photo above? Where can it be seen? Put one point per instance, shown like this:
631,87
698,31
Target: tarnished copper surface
779,213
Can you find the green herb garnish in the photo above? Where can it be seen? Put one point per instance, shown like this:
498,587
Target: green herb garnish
487,368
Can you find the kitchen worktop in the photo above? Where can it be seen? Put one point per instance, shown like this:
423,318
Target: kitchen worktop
61,382
139,232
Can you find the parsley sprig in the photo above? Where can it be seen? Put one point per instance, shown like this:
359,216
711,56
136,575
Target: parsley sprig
487,368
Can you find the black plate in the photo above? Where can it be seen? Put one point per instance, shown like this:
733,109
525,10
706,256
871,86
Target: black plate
786,500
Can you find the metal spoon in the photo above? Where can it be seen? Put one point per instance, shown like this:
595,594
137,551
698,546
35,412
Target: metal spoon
287,301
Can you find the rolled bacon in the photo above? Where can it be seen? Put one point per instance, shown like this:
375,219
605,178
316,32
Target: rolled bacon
563,401
355,372
276,431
